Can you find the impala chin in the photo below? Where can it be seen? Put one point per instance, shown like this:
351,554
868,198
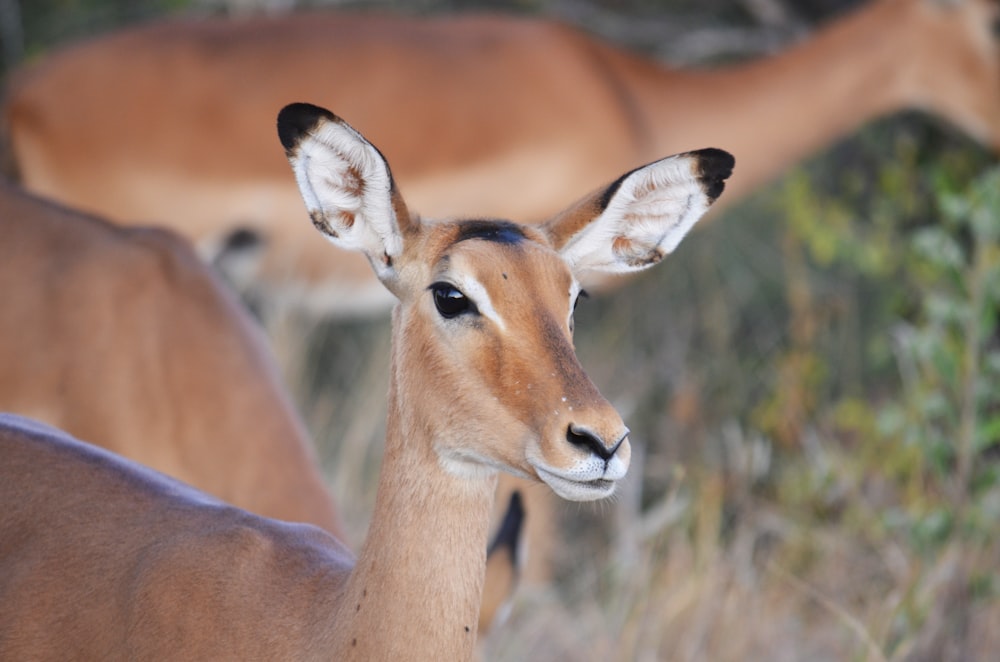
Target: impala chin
587,480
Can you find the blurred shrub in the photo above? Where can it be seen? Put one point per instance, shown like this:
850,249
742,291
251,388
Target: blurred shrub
948,405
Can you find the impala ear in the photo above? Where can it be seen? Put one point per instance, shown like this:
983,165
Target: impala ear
346,184
633,223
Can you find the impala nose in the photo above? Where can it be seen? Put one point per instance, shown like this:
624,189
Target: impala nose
584,438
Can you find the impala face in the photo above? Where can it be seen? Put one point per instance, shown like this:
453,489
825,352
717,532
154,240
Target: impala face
483,362
486,308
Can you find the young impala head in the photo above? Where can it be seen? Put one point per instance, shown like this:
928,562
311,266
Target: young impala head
484,366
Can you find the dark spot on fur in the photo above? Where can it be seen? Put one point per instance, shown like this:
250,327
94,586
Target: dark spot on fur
242,239
646,259
353,182
502,232
346,219
354,642
321,224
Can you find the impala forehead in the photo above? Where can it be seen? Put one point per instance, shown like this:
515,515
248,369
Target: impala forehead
508,271
502,267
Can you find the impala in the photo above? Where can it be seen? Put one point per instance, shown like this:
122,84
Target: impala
484,377
160,123
124,338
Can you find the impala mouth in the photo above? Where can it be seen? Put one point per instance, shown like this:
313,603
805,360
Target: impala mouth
574,489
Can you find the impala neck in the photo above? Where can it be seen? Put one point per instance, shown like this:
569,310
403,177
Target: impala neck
794,102
416,589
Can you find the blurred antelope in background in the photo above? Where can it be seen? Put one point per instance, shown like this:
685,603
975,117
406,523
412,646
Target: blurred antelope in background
124,338
501,115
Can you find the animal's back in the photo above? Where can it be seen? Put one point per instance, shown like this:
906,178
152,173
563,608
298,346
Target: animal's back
101,558
225,79
123,337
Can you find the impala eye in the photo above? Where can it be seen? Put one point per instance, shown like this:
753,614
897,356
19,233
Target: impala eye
450,302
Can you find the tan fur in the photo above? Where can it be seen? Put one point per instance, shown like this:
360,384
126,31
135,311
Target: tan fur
477,113
102,559
497,589
124,338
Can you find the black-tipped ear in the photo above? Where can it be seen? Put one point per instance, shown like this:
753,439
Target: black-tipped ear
346,185
714,167
642,216
297,119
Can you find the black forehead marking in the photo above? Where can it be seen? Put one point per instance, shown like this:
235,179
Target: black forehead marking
501,232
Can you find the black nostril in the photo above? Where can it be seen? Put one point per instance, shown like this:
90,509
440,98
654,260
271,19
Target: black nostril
586,439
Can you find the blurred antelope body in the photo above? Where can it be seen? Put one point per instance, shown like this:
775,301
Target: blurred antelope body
159,571
501,115
124,338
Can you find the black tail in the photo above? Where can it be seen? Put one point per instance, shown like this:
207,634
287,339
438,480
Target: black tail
509,533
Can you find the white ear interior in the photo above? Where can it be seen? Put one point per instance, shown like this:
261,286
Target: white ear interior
652,209
346,186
